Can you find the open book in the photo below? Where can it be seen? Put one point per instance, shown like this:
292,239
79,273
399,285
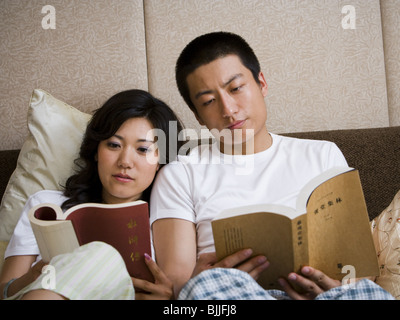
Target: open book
124,226
328,231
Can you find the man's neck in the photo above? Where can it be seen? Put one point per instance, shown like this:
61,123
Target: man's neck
256,144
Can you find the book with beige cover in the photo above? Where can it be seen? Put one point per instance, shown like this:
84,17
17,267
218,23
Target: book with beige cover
328,230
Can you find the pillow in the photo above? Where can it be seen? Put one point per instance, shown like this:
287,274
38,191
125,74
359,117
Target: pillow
386,234
46,158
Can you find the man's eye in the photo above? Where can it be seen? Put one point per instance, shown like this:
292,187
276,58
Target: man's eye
237,89
208,102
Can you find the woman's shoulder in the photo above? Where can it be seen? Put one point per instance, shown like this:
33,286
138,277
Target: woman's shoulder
50,196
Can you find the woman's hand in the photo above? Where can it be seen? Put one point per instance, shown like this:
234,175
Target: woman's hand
19,268
35,271
311,283
161,289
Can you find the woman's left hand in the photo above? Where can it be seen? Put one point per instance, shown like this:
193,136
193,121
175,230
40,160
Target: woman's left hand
161,289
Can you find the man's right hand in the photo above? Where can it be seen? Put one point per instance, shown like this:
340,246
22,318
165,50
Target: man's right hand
240,260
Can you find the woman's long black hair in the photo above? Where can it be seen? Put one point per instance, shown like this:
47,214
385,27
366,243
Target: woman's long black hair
85,186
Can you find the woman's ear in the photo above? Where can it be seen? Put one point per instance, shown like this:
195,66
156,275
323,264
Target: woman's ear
96,158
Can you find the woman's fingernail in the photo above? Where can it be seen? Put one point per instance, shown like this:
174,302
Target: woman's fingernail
147,257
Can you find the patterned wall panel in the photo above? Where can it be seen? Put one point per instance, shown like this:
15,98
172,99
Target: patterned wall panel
391,40
321,76
96,49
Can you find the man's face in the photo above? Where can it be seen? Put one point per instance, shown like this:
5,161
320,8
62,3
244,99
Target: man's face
228,99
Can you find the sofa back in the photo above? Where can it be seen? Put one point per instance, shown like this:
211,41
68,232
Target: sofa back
375,153
328,65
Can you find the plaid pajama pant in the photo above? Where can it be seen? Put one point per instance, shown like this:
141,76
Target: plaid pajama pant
97,271
233,284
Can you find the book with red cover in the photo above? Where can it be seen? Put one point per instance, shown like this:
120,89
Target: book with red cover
124,226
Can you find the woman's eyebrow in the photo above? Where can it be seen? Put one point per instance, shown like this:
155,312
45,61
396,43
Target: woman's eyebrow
145,140
138,140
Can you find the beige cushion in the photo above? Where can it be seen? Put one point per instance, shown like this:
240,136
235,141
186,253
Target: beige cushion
3,246
386,234
46,158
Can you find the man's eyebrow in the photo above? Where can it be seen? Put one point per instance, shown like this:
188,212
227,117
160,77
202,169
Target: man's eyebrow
234,77
202,93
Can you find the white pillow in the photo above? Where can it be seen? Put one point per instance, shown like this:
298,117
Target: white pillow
46,158
386,234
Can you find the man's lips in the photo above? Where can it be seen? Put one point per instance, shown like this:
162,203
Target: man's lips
236,125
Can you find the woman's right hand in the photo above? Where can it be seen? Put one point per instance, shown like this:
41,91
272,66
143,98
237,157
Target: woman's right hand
20,268
35,271
161,289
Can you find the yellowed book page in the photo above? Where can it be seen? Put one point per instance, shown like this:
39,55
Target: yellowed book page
338,228
266,234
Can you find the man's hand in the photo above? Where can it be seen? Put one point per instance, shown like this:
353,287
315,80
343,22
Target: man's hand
312,282
240,260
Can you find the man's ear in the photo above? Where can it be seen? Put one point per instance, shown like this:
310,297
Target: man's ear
263,84
198,118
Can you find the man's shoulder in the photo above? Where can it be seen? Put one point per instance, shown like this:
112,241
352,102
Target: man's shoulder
290,139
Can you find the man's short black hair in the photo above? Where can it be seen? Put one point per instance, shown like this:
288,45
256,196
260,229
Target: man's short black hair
207,48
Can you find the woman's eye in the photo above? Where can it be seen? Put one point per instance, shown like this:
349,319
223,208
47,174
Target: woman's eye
113,145
144,149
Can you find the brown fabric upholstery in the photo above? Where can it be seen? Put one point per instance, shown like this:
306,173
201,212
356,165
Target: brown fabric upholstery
374,152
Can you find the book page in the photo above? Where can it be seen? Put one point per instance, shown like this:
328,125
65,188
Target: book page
338,228
308,189
265,233
55,238
270,208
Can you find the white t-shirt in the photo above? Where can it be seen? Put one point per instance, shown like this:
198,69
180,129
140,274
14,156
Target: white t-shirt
199,186
23,241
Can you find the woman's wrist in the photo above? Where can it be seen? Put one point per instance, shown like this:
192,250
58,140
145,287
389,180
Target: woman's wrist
15,285
6,287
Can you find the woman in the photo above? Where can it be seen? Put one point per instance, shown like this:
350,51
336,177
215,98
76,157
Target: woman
119,158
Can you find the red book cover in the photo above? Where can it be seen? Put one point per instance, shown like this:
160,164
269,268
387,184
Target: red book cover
126,227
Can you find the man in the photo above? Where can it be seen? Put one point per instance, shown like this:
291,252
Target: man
219,77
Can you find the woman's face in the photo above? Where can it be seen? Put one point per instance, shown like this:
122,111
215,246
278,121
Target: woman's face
128,161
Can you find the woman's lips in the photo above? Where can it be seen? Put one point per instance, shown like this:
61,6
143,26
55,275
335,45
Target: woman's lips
122,178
